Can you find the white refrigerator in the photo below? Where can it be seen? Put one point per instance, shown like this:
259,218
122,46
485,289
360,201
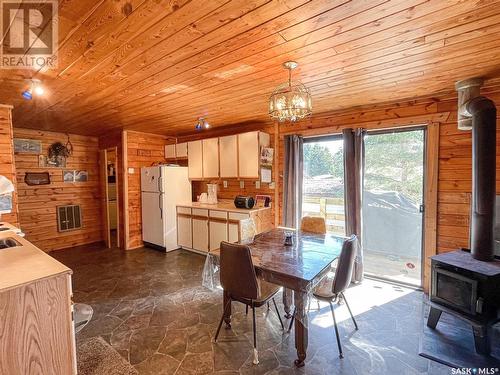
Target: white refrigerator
162,188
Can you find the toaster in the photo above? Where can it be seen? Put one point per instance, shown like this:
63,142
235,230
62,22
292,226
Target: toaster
242,201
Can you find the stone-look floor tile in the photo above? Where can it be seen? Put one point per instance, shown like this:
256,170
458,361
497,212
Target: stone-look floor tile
144,343
152,309
196,364
174,343
158,364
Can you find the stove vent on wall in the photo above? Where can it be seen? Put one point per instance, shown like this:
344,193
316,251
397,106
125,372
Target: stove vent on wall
69,218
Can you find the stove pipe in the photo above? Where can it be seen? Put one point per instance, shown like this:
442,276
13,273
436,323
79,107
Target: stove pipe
479,114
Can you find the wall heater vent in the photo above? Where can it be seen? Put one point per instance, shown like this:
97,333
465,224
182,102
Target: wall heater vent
69,218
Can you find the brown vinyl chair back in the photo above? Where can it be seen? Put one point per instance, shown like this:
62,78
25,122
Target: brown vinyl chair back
345,265
313,224
237,273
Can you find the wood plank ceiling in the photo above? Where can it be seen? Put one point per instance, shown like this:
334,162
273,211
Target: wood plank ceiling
167,62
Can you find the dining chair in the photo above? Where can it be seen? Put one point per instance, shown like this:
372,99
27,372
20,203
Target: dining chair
333,290
241,284
313,224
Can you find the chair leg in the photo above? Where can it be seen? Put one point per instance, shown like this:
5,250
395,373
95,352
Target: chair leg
246,309
221,320
341,355
268,307
255,352
291,321
279,316
350,312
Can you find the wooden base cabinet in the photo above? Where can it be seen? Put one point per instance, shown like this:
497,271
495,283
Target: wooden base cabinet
36,328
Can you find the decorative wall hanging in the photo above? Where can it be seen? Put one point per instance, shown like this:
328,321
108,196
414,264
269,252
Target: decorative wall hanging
37,178
27,146
58,162
75,176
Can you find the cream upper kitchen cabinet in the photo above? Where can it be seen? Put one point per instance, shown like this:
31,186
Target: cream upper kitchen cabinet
181,150
195,160
170,151
210,158
228,147
249,145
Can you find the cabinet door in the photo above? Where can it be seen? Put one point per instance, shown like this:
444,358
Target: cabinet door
248,148
218,233
211,158
181,150
233,231
170,151
228,147
184,231
195,160
200,234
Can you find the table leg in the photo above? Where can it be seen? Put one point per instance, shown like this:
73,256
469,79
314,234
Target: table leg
287,302
301,327
227,313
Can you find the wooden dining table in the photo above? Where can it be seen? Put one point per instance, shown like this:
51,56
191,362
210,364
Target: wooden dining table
298,268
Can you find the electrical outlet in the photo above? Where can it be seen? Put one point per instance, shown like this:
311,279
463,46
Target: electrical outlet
224,183
271,185
257,184
131,171
242,184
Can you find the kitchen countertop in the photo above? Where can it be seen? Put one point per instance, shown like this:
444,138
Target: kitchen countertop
223,205
25,264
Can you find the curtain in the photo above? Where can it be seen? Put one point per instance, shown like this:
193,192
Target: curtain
354,160
292,184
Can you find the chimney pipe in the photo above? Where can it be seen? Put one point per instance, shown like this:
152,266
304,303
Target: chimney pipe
481,112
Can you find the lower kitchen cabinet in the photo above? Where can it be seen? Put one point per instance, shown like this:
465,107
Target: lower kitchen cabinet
218,233
200,234
184,231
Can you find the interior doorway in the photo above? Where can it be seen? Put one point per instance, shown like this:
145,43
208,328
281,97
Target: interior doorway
111,216
393,196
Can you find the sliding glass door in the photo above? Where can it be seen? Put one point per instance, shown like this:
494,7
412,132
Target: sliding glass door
323,190
392,205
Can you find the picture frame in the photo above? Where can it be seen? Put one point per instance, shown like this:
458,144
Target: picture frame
27,146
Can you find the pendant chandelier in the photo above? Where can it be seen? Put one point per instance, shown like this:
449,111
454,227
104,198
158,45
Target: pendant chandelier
290,102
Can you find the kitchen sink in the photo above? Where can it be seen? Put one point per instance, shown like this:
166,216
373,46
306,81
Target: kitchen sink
6,243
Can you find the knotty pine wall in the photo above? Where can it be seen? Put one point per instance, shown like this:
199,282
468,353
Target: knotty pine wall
7,167
37,204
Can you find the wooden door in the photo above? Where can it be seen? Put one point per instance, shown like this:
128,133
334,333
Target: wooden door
200,234
195,160
103,165
181,150
210,158
228,150
170,151
218,233
184,231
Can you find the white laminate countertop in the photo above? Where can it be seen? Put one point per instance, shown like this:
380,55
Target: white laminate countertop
222,205
25,264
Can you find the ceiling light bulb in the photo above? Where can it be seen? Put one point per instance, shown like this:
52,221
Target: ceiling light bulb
39,90
207,125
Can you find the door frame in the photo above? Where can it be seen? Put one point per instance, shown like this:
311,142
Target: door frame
105,199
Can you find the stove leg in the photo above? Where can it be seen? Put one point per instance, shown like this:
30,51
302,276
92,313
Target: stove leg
481,339
433,318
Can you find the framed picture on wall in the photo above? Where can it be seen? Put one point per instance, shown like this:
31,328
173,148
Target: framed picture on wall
75,176
27,146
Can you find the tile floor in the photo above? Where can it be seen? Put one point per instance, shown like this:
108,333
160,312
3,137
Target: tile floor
151,307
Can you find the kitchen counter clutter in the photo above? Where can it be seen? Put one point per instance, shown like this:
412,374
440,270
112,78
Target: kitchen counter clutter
35,305
202,227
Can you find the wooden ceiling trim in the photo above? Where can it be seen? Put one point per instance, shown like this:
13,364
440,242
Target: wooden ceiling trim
233,82
394,65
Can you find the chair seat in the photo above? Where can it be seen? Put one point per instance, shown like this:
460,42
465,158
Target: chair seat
267,291
323,291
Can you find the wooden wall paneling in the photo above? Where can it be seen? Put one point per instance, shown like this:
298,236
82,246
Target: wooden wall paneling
126,232
37,204
7,165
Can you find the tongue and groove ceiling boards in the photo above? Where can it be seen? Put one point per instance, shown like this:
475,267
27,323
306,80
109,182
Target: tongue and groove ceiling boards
158,65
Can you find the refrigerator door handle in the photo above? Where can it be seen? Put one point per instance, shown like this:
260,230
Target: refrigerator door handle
160,205
159,185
